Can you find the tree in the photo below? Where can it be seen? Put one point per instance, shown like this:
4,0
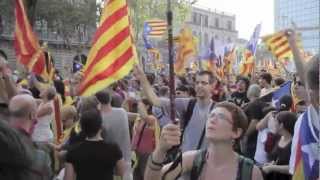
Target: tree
142,10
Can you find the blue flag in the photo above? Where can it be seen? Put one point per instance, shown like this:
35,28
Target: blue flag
285,89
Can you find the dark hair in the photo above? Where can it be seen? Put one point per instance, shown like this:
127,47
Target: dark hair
285,102
91,122
59,85
103,97
266,76
182,88
191,91
209,74
313,73
278,81
163,91
245,80
239,118
3,54
146,102
15,158
288,119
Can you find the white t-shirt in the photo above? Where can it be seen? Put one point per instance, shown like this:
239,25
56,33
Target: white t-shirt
260,155
42,131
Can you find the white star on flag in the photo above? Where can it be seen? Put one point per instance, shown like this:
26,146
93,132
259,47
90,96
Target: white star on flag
311,151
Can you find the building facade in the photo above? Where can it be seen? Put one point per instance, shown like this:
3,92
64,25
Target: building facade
207,24
302,15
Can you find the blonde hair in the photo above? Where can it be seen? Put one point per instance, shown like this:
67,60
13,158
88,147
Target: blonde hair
68,112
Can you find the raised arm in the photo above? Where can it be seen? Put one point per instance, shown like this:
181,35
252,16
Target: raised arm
146,87
296,54
170,136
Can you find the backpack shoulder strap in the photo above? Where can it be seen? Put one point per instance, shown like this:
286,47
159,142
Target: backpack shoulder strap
198,163
189,112
204,129
245,168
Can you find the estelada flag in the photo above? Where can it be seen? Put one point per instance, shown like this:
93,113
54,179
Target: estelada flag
112,55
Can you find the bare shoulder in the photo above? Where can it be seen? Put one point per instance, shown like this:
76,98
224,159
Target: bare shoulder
256,173
187,159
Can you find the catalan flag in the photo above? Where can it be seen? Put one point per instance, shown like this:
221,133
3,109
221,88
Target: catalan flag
155,28
278,45
306,155
152,50
247,64
186,48
112,55
28,51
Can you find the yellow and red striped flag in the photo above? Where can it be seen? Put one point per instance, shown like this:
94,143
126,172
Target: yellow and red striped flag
186,48
26,44
112,55
278,45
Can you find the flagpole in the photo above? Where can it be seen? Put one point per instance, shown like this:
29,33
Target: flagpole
171,63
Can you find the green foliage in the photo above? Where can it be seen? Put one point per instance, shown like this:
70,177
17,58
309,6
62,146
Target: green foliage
142,10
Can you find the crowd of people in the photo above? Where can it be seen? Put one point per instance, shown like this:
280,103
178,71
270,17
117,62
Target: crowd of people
224,129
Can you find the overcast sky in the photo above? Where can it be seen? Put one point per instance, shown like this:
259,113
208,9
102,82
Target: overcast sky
248,13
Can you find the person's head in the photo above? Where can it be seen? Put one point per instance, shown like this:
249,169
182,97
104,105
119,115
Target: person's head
265,80
48,93
299,90
227,122
243,84
148,105
103,97
87,103
191,91
91,122
278,81
285,122
68,116
312,72
253,92
23,110
285,103
164,91
15,158
60,88
182,92
204,81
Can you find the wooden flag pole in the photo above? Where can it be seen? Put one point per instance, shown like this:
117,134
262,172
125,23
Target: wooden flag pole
171,63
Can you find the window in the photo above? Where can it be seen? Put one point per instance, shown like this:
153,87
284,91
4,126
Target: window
206,39
229,25
206,21
194,18
216,22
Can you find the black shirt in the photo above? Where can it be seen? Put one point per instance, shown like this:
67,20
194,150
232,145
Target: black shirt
281,155
94,160
239,98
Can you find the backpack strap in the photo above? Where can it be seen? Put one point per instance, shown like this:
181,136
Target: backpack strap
188,114
204,129
141,134
198,164
245,168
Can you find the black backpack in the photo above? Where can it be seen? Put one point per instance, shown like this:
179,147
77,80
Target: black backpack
244,173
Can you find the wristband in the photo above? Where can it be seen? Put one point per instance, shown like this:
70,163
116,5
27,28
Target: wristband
155,163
